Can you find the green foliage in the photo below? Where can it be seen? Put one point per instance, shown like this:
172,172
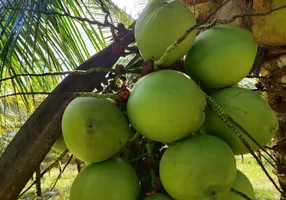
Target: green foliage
263,188
40,36
5,139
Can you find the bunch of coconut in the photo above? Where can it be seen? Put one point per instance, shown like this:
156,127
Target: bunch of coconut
169,107
268,29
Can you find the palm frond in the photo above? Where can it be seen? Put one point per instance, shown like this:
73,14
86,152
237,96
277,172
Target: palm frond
34,41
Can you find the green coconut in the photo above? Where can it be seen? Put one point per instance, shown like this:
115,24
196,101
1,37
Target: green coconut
221,56
114,179
158,196
249,110
209,91
201,10
94,129
59,145
270,29
159,25
166,106
241,184
199,167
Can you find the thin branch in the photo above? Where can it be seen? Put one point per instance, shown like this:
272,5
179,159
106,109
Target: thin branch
139,157
105,10
45,171
64,14
268,90
273,165
230,20
195,2
28,93
75,94
107,14
76,72
151,170
259,77
240,194
182,38
58,178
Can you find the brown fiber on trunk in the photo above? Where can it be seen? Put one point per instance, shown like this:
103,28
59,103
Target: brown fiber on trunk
35,138
275,92
38,183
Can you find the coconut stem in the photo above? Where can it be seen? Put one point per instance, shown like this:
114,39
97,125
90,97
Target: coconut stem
97,95
235,127
75,72
138,158
136,135
151,170
230,20
240,194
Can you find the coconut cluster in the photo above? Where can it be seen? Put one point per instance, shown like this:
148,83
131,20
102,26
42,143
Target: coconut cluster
169,107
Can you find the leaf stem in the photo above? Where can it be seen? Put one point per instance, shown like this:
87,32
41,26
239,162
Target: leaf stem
240,194
151,170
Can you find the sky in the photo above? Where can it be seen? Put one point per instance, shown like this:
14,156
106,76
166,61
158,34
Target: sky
132,7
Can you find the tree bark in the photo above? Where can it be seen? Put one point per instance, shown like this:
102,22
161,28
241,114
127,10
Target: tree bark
34,140
78,165
38,184
275,87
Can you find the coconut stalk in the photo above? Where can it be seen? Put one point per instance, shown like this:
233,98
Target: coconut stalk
270,32
38,183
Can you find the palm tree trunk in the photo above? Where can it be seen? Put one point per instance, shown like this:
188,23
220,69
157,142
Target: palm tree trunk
38,183
275,93
36,137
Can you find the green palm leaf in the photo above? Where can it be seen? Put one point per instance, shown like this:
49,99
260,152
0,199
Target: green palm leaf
34,41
